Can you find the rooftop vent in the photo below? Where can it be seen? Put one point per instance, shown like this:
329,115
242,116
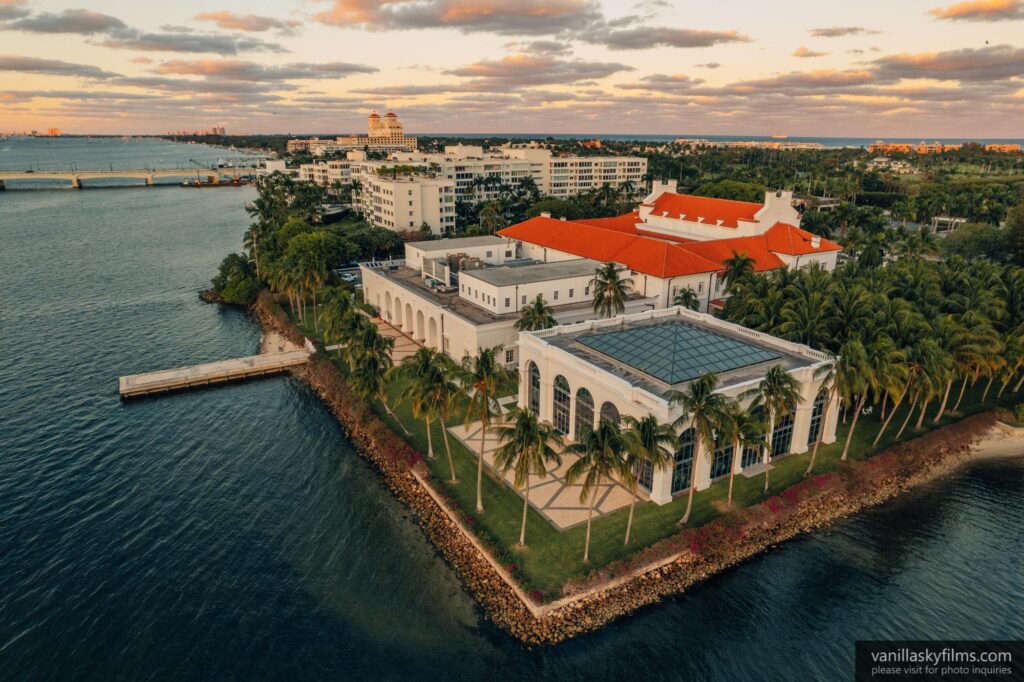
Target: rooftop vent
815,242
545,214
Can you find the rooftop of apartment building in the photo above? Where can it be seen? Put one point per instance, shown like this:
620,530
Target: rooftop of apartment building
511,275
663,350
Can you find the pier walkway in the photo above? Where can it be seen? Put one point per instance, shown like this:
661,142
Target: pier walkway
76,178
135,385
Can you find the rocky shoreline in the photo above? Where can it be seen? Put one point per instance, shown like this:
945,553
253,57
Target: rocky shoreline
662,570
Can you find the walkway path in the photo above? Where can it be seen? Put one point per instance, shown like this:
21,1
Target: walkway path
558,501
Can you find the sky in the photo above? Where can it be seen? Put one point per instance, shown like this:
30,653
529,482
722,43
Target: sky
873,68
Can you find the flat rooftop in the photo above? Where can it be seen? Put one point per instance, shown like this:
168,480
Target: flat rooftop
511,275
662,353
675,352
455,244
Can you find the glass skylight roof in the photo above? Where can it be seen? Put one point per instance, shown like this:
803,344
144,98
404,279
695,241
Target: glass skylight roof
674,352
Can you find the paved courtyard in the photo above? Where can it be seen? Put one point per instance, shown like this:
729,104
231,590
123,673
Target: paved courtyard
558,501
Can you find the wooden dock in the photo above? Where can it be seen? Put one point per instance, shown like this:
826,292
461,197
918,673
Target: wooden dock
135,385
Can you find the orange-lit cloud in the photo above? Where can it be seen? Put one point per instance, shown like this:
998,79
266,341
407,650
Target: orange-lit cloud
805,53
982,10
252,23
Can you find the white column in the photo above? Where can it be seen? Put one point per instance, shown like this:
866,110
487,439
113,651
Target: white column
801,427
702,466
830,421
661,485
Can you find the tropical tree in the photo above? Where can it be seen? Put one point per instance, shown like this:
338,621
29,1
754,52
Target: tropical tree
743,430
610,290
648,443
332,316
424,373
737,267
601,458
480,377
705,412
687,298
536,316
527,447
778,393
371,366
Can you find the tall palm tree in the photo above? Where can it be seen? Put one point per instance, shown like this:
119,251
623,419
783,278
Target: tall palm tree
336,306
536,316
687,298
739,266
480,377
648,442
610,290
600,454
745,430
528,447
705,411
372,366
964,351
424,372
251,243
778,393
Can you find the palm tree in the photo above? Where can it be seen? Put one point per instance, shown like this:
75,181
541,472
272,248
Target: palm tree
480,377
705,411
745,430
251,244
367,376
687,298
964,351
336,306
648,442
526,447
600,459
777,394
737,268
828,375
424,372
536,316
610,291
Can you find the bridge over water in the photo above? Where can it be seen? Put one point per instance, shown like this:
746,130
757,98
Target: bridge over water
76,178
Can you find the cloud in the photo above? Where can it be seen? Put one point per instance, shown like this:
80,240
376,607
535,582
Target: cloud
645,37
550,47
52,67
709,65
804,53
184,40
981,10
840,31
661,81
83,21
518,70
522,17
804,81
252,23
241,70
13,9
993,63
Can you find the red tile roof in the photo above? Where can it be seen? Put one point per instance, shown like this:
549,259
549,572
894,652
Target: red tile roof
792,241
707,209
643,254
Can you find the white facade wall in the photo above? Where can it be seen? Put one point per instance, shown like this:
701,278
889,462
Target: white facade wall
495,254
778,208
637,402
406,202
510,299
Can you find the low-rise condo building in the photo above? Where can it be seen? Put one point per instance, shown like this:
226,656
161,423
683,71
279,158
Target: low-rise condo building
406,202
574,375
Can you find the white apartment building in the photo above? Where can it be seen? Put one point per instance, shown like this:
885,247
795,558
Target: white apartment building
459,295
406,202
327,173
383,134
574,375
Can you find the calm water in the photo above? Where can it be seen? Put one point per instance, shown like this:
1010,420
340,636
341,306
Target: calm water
232,533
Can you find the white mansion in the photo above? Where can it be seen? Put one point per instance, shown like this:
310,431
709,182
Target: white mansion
458,295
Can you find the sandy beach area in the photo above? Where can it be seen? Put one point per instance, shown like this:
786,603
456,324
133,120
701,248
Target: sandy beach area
275,342
999,443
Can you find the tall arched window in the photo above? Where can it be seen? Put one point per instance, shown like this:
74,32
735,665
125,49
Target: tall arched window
584,412
562,400
817,416
683,468
782,436
752,456
610,412
721,462
533,388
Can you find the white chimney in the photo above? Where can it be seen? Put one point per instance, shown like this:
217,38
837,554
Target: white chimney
562,219
545,214
816,242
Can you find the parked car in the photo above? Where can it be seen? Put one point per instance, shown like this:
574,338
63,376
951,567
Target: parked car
349,277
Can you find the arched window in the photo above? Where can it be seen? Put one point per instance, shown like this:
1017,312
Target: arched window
584,412
752,456
683,468
644,473
562,400
721,462
782,436
533,389
610,412
817,417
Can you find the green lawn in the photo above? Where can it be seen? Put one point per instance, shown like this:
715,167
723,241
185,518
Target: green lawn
552,556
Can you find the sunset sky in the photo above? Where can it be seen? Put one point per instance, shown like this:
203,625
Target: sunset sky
895,68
